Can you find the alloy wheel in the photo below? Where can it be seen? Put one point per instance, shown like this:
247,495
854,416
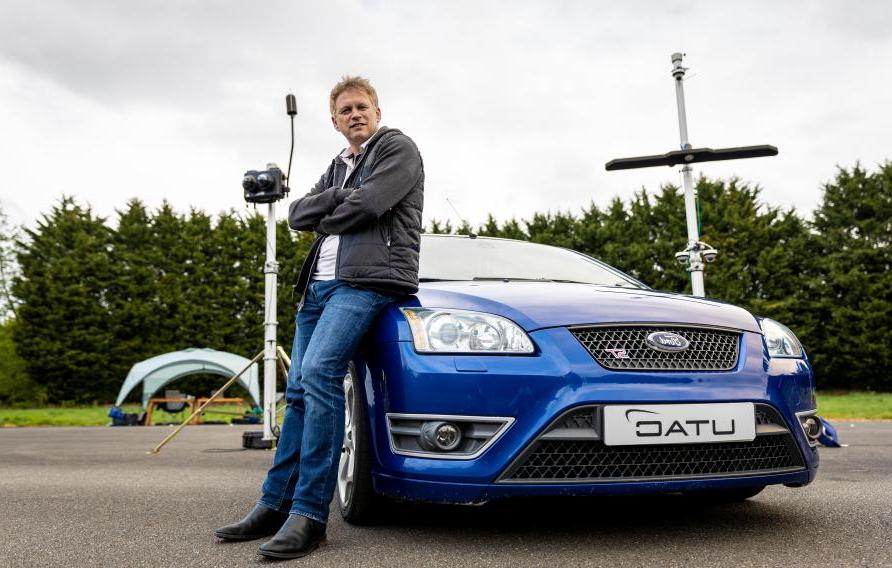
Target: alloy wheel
347,464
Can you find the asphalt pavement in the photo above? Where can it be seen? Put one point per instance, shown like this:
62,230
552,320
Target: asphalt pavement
93,497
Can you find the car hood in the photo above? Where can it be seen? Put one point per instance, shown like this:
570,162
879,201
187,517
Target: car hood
537,305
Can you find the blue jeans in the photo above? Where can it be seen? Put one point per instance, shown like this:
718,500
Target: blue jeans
330,326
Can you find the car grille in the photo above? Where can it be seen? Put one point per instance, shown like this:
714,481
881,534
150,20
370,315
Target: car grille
624,348
559,455
581,418
767,415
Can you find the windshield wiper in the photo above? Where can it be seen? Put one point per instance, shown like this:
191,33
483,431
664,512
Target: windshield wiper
513,279
509,279
559,280
504,279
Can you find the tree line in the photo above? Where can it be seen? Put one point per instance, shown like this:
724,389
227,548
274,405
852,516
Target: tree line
92,300
89,300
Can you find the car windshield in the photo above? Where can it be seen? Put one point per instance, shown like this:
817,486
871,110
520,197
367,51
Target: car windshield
451,257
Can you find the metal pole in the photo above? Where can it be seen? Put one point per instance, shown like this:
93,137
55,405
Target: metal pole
695,266
270,270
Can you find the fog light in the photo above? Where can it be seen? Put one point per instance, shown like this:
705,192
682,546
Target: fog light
440,436
812,426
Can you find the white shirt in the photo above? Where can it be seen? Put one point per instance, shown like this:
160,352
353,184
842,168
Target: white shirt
328,250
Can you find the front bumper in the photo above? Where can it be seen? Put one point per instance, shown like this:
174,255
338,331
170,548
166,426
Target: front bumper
535,390
408,488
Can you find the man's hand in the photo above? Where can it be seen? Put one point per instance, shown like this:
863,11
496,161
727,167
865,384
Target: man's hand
344,192
305,213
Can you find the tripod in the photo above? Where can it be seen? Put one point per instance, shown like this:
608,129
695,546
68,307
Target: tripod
262,187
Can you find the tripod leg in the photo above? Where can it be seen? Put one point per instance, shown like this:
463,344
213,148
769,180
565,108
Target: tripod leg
219,392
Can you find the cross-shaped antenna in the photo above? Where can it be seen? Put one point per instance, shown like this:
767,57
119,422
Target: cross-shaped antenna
696,253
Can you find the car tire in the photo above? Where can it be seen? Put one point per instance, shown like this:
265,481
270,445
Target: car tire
357,501
725,495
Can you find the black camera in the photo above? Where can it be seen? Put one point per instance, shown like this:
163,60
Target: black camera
267,186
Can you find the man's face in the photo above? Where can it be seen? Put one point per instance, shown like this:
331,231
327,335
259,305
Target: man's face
356,116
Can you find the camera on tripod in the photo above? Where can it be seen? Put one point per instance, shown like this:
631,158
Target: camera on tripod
270,185
267,186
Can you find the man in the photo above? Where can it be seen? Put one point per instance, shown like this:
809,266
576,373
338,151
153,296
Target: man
366,208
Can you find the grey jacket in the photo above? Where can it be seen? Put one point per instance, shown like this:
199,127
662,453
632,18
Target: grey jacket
377,215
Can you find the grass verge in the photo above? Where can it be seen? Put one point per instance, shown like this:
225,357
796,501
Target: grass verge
97,415
855,406
831,405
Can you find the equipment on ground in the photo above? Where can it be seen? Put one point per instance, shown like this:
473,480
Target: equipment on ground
121,418
829,438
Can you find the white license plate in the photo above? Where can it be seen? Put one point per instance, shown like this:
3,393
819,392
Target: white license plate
639,424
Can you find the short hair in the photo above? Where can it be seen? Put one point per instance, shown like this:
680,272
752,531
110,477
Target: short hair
355,82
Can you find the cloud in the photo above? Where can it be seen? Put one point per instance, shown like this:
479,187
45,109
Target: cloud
516,107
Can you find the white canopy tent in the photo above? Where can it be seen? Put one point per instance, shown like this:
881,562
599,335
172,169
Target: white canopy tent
158,371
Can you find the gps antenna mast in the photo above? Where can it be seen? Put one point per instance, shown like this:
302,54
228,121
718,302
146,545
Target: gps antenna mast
697,253
271,271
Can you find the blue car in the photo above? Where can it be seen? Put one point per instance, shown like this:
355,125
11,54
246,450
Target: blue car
522,369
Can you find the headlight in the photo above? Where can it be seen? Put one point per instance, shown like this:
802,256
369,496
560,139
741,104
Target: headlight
461,331
780,340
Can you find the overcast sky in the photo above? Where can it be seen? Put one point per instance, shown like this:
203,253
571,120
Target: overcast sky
515,106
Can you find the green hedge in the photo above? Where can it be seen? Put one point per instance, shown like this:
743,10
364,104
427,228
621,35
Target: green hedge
93,297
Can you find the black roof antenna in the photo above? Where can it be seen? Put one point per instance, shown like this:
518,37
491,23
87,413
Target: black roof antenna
291,109
471,234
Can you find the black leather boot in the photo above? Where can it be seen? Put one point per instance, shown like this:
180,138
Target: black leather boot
260,522
298,537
